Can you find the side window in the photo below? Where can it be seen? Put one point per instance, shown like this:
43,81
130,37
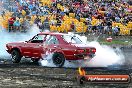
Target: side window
38,39
52,40
35,38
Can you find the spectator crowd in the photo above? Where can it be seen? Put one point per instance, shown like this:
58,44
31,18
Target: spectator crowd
113,17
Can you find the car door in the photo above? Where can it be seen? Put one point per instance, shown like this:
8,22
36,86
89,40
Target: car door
37,46
34,47
26,47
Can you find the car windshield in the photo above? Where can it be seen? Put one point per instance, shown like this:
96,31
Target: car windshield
71,39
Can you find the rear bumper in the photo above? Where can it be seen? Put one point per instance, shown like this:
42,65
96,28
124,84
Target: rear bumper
84,56
81,57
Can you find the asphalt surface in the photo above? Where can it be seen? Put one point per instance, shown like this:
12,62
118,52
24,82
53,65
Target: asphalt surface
31,75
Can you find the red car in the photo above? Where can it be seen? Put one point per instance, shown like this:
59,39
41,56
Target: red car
63,46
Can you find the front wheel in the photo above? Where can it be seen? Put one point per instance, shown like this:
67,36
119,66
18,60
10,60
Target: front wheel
16,56
58,59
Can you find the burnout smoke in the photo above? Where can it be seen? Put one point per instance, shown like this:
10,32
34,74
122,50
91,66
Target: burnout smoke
105,56
7,37
47,60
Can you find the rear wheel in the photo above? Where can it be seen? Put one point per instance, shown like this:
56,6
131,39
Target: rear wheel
16,56
81,80
58,59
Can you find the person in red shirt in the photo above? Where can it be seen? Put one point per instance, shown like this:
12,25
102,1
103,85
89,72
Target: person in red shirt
10,23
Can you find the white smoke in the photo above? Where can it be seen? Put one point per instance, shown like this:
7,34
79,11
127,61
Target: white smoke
8,37
105,56
47,60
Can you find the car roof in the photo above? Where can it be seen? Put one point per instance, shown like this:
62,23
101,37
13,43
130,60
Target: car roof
52,33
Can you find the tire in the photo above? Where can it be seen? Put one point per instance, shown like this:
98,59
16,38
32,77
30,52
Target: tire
58,59
35,60
81,80
16,56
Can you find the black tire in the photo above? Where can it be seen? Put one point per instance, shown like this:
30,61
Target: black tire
81,80
35,60
16,56
58,59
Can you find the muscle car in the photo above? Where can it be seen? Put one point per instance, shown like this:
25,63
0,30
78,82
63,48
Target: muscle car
62,46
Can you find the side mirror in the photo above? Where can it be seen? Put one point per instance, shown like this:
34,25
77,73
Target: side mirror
28,41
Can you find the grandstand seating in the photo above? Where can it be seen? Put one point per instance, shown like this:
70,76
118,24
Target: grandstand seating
67,20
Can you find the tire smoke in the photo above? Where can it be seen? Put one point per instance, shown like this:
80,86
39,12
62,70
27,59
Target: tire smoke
105,56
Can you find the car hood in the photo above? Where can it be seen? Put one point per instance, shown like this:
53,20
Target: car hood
15,43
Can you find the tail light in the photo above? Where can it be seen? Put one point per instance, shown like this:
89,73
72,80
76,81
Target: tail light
93,50
80,51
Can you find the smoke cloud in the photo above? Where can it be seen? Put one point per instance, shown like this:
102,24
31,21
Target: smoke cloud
7,37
